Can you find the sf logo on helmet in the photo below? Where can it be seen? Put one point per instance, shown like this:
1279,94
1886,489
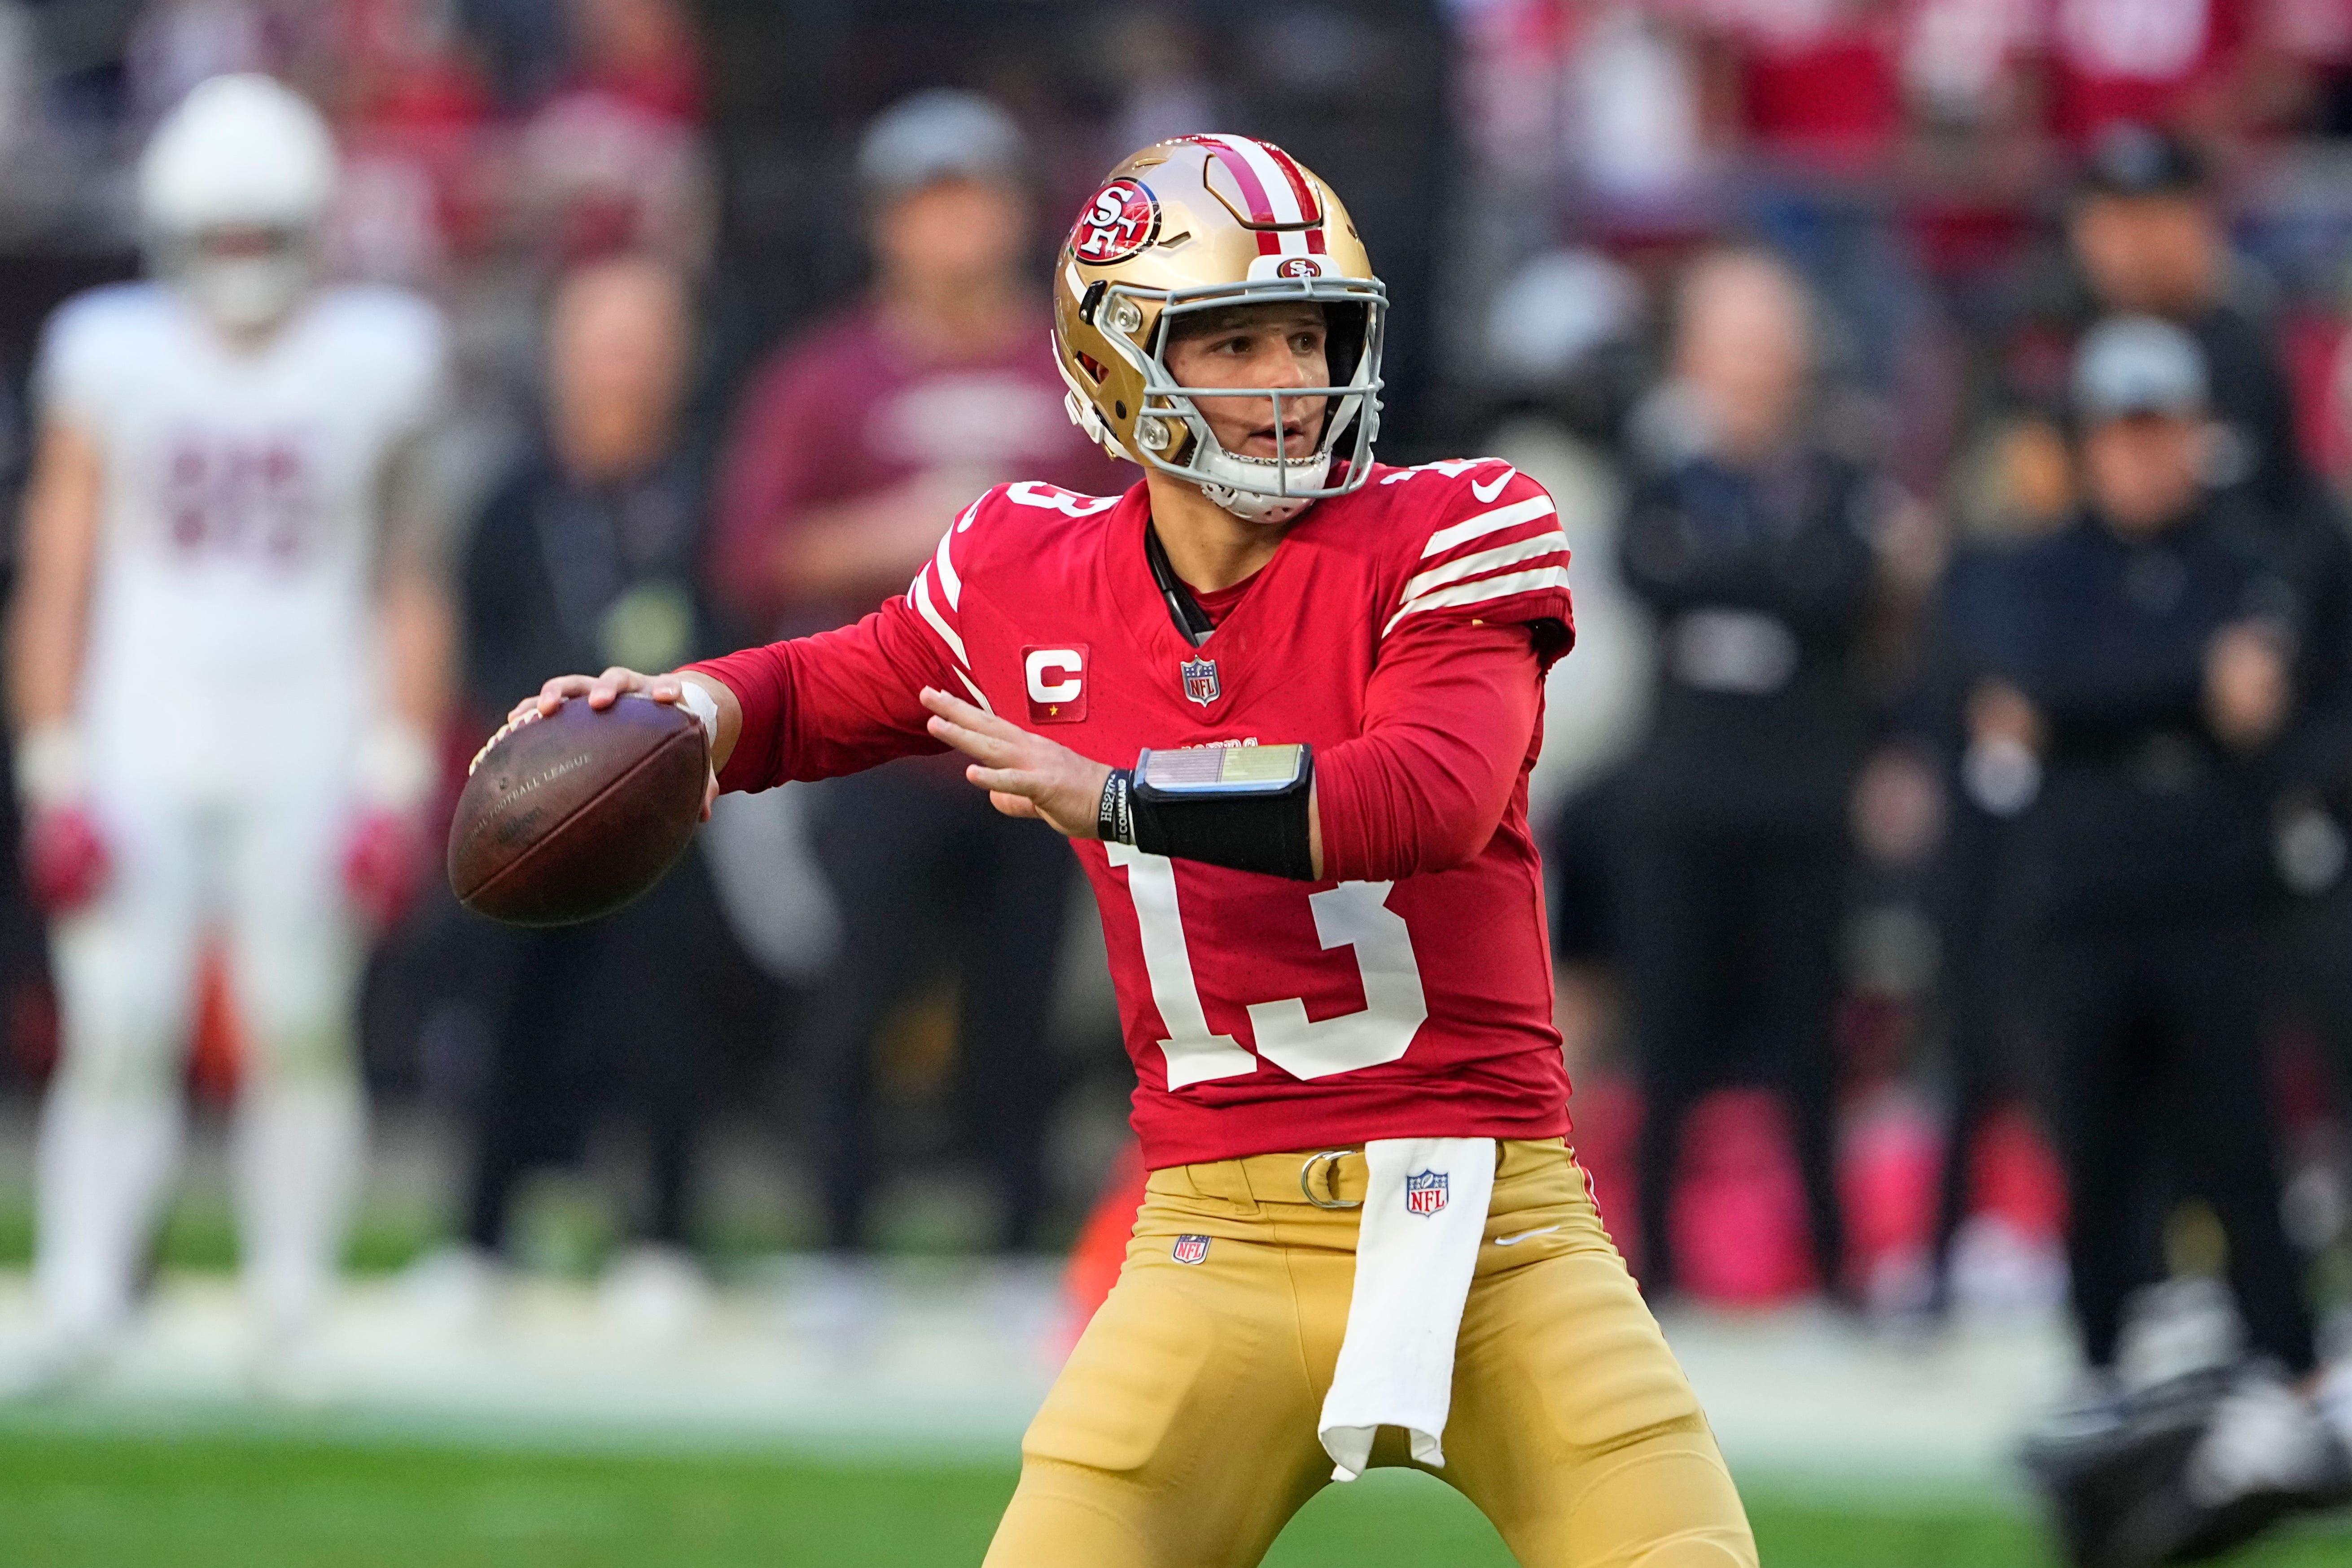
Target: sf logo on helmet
1122,218
1299,267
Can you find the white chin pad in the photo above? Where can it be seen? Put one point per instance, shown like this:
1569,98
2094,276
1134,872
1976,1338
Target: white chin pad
1244,485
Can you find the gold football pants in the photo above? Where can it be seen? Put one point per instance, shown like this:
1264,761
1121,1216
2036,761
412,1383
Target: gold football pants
1181,1433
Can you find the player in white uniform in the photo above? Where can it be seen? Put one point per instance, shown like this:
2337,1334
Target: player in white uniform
223,538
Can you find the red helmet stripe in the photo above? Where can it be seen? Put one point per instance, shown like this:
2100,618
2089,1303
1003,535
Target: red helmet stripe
1309,210
1237,164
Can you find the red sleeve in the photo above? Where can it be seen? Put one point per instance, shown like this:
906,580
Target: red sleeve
1450,719
838,703
771,457
1490,549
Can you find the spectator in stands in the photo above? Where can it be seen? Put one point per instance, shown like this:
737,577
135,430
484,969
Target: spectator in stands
2145,675
2179,63
1751,543
586,555
855,449
613,157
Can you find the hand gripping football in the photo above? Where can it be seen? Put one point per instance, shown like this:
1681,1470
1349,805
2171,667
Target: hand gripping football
569,817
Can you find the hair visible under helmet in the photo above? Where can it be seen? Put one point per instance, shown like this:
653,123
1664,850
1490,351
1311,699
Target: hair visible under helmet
1199,224
242,153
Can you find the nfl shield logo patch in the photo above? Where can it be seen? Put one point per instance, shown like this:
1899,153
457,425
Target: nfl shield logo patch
1191,1248
1201,680
1424,1192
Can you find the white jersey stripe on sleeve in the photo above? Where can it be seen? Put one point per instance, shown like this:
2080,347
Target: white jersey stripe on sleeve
950,584
1484,589
1485,523
922,597
1493,559
977,694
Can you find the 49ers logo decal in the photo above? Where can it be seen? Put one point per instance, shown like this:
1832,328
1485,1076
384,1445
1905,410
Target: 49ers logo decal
1122,218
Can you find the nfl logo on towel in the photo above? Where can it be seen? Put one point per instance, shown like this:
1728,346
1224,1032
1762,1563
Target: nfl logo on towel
1191,1248
1424,1192
1199,679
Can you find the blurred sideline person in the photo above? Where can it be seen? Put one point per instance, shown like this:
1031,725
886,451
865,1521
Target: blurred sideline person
2150,238
1749,544
854,448
1364,1240
2148,674
587,552
2020,490
226,527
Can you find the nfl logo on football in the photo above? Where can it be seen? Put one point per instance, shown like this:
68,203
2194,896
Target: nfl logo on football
1201,680
1191,1248
1424,1192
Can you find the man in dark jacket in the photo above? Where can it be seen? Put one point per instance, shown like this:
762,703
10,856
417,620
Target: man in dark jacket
585,557
1751,546
2149,671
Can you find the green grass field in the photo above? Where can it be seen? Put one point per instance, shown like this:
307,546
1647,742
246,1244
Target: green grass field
78,1499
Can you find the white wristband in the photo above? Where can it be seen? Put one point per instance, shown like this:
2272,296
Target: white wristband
51,767
702,705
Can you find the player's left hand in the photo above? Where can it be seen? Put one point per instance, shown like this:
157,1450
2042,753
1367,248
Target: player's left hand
1024,775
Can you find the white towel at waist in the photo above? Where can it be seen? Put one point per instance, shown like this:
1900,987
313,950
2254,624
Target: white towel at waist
1423,1217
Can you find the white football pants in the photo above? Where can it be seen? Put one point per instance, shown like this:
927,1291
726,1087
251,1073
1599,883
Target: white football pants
262,871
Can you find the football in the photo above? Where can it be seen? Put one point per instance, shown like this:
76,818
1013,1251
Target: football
569,817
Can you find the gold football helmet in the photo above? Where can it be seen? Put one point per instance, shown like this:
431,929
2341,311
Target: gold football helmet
1196,223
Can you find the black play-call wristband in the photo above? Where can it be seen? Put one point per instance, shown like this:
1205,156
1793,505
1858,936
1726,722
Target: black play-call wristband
1241,807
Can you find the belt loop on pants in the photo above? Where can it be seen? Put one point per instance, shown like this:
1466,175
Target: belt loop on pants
1322,1169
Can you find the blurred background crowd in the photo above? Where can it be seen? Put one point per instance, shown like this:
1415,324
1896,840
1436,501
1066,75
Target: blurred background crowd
1950,403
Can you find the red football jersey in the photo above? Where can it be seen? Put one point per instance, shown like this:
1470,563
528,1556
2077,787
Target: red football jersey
1262,1012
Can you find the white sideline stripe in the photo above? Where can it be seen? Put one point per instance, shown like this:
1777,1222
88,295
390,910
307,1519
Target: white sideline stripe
949,582
938,624
1494,522
1486,560
1482,589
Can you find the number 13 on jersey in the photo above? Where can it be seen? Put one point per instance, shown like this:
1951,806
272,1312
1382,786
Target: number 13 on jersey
1353,915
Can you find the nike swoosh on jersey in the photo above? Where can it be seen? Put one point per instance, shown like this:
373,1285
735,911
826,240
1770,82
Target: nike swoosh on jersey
1515,1239
1488,492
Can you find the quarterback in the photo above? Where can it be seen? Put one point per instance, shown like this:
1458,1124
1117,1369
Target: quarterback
1282,700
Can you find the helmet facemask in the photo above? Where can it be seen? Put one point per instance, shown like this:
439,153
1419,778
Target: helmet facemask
250,283
1171,433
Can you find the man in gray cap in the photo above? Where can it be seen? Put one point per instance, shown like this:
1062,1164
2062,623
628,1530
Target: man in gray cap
855,448
2146,675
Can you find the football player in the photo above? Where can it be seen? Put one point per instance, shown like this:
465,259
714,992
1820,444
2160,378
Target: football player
224,528
1282,700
